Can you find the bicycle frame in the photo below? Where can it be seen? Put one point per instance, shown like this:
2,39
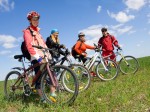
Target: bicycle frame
89,64
25,74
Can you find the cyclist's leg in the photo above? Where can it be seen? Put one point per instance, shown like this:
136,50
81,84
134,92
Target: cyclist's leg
37,83
112,56
83,58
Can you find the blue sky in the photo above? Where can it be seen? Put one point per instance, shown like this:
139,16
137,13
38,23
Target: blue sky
127,20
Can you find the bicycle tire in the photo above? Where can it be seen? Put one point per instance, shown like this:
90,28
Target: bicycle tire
110,74
10,85
63,96
83,75
133,66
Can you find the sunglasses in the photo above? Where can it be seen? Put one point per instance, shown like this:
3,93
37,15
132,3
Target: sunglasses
104,31
35,19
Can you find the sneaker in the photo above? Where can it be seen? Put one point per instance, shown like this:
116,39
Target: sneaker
53,94
53,97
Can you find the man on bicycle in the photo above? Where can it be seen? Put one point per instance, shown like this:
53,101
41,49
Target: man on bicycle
35,39
53,42
107,42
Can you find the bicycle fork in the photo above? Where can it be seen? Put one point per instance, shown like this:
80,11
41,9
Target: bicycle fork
124,59
52,76
102,61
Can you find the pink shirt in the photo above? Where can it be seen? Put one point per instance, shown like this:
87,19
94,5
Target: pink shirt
37,40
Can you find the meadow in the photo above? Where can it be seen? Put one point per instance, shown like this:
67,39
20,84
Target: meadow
126,93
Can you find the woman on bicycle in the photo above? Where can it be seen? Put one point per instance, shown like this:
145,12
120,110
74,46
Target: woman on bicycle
107,42
53,42
35,39
80,47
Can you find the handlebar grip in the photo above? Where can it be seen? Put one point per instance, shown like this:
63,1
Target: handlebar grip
39,47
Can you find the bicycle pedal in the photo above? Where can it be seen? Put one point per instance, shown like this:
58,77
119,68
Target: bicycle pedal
53,99
81,87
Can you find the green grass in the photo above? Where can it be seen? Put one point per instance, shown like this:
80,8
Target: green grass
127,93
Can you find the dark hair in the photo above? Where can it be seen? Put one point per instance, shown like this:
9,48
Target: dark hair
104,29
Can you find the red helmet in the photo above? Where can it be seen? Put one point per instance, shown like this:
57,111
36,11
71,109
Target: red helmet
32,14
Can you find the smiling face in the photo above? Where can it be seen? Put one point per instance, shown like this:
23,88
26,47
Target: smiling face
55,34
82,38
34,21
105,33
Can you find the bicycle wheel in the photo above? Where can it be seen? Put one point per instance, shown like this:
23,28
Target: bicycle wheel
83,75
63,96
13,85
109,73
128,65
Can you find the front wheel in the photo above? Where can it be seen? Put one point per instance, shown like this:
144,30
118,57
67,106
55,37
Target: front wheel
109,72
68,78
128,65
13,85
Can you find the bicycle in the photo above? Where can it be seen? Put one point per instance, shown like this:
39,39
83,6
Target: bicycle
82,73
106,69
127,64
17,81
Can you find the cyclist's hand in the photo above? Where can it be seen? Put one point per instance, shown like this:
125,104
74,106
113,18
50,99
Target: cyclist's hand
39,60
84,54
97,49
62,46
119,48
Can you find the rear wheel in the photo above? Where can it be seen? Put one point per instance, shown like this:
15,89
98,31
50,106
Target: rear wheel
109,73
13,86
68,79
128,65
83,75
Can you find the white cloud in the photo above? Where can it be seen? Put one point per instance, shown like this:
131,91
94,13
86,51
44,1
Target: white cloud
99,9
124,30
4,52
7,41
135,4
6,5
93,31
121,17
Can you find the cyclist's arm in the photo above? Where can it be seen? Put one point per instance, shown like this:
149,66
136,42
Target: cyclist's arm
115,42
89,47
99,43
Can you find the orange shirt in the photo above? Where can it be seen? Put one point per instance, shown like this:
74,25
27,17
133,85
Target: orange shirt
81,47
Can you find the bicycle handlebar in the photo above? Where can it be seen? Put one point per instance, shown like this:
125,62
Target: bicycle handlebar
119,49
39,47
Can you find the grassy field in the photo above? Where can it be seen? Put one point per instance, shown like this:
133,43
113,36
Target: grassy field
127,93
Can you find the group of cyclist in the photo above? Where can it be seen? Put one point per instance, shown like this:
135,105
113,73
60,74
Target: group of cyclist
106,42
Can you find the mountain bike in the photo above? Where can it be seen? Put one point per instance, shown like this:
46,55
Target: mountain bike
127,64
21,81
82,73
106,69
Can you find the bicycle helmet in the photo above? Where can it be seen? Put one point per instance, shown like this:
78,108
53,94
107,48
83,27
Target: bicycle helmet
32,14
81,34
104,29
54,30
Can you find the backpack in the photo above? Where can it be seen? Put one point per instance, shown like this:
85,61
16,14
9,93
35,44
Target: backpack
73,52
24,49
